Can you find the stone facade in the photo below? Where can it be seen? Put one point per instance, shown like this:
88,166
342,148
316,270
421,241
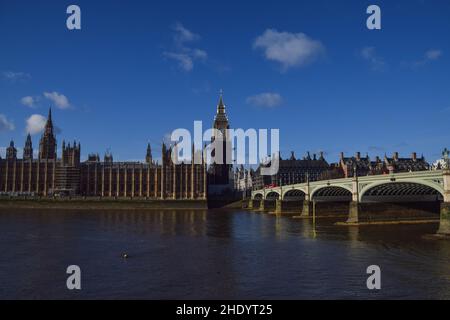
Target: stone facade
243,179
49,175
365,166
292,171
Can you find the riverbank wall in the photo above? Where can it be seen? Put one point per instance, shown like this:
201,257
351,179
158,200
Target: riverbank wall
97,204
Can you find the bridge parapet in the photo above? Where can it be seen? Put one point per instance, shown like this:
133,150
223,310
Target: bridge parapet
434,179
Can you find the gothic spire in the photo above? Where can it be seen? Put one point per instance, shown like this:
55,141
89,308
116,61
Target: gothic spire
49,123
47,144
11,151
148,156
28,142
221,119
28,149
221,105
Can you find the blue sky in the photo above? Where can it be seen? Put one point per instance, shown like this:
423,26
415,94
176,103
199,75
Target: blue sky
139,69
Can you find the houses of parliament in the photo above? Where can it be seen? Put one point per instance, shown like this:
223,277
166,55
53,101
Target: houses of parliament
48,175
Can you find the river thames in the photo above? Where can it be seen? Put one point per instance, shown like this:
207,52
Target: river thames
215,255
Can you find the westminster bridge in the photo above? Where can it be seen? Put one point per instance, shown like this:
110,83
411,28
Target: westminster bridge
412,193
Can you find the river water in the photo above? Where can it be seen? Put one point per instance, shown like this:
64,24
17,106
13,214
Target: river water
215,255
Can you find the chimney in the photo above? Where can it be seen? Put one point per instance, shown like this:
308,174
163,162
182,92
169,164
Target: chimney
342,155
358,156
414,156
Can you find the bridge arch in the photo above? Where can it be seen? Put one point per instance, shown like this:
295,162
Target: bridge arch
272,195
332,193
294,195
258,196
401,191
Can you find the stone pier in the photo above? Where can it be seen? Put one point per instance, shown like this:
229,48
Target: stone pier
353,212
262,205
353,209
306,208
278,207
444,223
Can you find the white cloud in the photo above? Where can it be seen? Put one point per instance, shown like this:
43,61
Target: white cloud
288,49
5,124
184,61
433,54
198,53
16,76
429,56
182,35
28,101
267,100
182,53
369,54
35,124
58,99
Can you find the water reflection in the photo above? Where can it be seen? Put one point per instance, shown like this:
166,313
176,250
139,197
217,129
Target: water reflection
167,222
215,254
